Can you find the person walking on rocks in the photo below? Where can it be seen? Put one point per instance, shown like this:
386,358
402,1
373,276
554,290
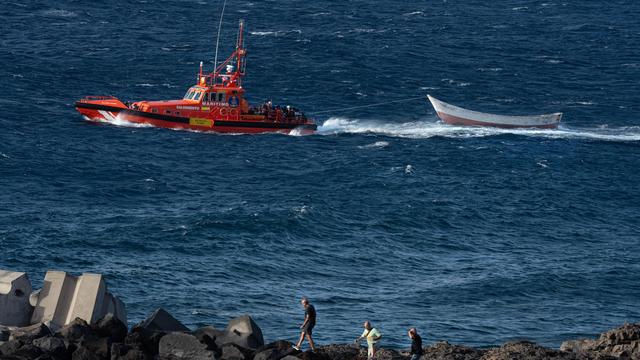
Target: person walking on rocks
416,344
372,335
307,325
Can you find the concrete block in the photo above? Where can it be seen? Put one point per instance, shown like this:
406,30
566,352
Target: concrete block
64,298
15,288
54,299
87,299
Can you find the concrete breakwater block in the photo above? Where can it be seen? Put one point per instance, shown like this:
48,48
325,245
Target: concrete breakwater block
242,331
15,288
65,297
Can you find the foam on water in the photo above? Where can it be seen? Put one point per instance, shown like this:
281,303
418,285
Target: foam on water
428,129
119,121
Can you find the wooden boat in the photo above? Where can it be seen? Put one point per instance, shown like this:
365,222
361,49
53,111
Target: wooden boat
454,115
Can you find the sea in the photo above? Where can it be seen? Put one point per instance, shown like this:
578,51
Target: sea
476,236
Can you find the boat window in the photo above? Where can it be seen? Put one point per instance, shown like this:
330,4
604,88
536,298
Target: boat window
188,94
220,96
197,97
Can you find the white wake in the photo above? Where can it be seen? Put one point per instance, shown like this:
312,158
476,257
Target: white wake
428,129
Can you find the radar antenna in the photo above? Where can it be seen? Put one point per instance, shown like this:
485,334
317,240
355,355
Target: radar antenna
215,61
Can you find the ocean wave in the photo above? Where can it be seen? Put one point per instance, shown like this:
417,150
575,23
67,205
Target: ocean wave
60,13
428,129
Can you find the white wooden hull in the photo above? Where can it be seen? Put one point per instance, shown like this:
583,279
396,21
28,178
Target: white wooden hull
455,115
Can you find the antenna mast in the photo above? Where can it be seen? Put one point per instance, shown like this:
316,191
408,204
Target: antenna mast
215,61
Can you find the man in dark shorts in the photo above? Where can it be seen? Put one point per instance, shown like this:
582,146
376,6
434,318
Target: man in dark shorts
307,325
416,344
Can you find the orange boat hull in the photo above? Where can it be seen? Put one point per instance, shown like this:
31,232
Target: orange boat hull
114,112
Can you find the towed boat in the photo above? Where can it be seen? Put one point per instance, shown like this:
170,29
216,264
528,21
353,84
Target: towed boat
454,115
216,103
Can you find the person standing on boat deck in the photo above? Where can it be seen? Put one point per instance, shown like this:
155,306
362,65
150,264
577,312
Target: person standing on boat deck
416,344
372,335
307,325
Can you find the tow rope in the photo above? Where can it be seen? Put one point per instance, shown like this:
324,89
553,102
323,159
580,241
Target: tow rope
367,106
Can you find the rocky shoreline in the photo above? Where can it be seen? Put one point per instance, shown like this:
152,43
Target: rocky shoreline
162,337
76,318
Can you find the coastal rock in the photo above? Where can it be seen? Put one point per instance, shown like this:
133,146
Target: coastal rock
75,331
10,347
29,333
310,355
98,346
28,351
275,351
147,342
341,352
208,335
52,345
160,321
242,331
5,334
125,352
184,346
445,351
384,354
234,352
83,353
289,357
111,327
623,342
147,334
524,350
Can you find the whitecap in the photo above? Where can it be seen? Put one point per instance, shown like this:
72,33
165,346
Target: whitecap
543,164
262,33
59,13
495,69
375,145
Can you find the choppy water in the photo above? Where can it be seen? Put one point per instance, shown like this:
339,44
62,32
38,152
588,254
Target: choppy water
475,236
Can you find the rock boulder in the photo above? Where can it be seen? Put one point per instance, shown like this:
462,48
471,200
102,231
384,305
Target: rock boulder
524,350
160,321
184,346
623,342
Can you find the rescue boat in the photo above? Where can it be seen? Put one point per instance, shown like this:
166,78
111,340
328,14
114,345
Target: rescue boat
216,103
454,115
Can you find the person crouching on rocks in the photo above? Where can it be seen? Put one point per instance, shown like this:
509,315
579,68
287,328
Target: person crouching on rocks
373,336
307,325
416,344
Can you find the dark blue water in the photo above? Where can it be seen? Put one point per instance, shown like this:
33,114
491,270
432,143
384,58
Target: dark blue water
475,236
